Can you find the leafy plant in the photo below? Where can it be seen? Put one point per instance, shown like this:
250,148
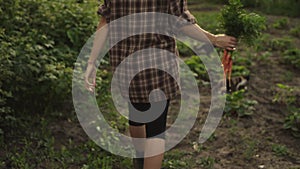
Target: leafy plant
279,150
183,49
279,44
240,71
284,94
292,56
198,147
206,162
292,121
287,95
237,104
295,32
196,65
249,148
281,23
238,23
38,42
176,159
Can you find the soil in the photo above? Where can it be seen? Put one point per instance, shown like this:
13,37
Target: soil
231,145
238,143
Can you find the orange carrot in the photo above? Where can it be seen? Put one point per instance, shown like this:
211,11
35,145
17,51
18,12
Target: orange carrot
227,65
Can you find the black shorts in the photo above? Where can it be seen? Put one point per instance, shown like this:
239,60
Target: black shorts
154,127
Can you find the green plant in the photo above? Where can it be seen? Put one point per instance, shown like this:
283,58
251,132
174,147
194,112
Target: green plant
237,104
284,94
279,44
292,121
274,7
38,42
175,159
295,32
251,4
281,23
249,148
206,162
184,50
292,56
239,70
238,23
208,20
280,7
265,55
279,150
271,44
262,44
288,76
287,95
196,65
198,147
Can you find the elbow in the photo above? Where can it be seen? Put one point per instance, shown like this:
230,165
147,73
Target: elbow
102,23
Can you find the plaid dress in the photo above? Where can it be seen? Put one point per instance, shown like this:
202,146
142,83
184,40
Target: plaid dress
160,64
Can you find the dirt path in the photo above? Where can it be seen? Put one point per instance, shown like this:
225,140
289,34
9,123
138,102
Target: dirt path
251,142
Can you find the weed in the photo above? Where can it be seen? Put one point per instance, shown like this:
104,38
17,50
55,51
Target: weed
287,95
284,94
240,70
175,159
198,147
288,76
103,163
206,162
196,65
249,149
279,44
184,50
265,55
292,121
292,56
233,130
279,150
174,164
281,23
262,43
238,105
295,32
268,43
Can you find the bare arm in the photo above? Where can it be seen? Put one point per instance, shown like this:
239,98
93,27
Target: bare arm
99,40
196,32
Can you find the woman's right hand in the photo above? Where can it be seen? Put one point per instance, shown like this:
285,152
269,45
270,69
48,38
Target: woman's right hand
225,42
90,77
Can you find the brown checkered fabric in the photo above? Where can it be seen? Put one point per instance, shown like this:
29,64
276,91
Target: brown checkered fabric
158,62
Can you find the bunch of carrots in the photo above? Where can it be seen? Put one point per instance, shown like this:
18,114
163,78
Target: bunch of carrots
246,27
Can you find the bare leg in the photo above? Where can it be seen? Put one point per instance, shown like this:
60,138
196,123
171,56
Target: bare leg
153,146
138,132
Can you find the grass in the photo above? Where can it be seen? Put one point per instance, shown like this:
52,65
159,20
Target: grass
178,159
250,148
35,146
206,162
